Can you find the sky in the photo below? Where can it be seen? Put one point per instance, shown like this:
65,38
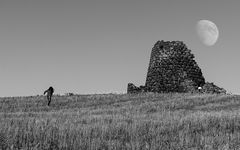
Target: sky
99,46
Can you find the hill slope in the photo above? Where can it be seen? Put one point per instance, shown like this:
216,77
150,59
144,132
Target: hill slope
109,121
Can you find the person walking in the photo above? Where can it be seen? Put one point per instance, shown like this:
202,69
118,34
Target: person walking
49,92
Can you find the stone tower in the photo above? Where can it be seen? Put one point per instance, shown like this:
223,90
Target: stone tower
172,68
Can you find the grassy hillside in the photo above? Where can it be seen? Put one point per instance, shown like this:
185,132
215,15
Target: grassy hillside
109,121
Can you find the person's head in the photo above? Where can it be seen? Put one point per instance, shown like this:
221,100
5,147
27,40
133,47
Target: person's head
51,89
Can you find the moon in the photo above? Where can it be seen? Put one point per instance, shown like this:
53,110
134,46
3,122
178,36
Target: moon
207,32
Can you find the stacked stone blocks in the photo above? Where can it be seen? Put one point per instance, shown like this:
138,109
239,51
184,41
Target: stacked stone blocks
171,67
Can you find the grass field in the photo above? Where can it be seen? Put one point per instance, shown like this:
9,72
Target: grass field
121,121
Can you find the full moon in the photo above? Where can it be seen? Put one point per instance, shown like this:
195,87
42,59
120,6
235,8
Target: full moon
207,32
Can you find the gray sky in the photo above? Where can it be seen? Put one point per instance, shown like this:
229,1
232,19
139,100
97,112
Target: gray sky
98,46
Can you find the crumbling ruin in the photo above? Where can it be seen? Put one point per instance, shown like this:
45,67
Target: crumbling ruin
172,68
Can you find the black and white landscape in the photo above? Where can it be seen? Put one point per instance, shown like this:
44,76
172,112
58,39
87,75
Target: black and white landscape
119,74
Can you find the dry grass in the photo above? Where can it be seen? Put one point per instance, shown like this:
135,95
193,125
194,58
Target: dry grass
111,121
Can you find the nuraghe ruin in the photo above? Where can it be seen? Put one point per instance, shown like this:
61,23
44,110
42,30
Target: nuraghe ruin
172,68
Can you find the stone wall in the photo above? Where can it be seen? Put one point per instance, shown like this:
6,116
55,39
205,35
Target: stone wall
172,68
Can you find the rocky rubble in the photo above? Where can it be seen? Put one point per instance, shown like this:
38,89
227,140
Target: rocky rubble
134,89
212,89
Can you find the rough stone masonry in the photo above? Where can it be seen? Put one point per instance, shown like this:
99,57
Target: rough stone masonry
172,68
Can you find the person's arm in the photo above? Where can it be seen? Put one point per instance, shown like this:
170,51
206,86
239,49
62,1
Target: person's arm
45,92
